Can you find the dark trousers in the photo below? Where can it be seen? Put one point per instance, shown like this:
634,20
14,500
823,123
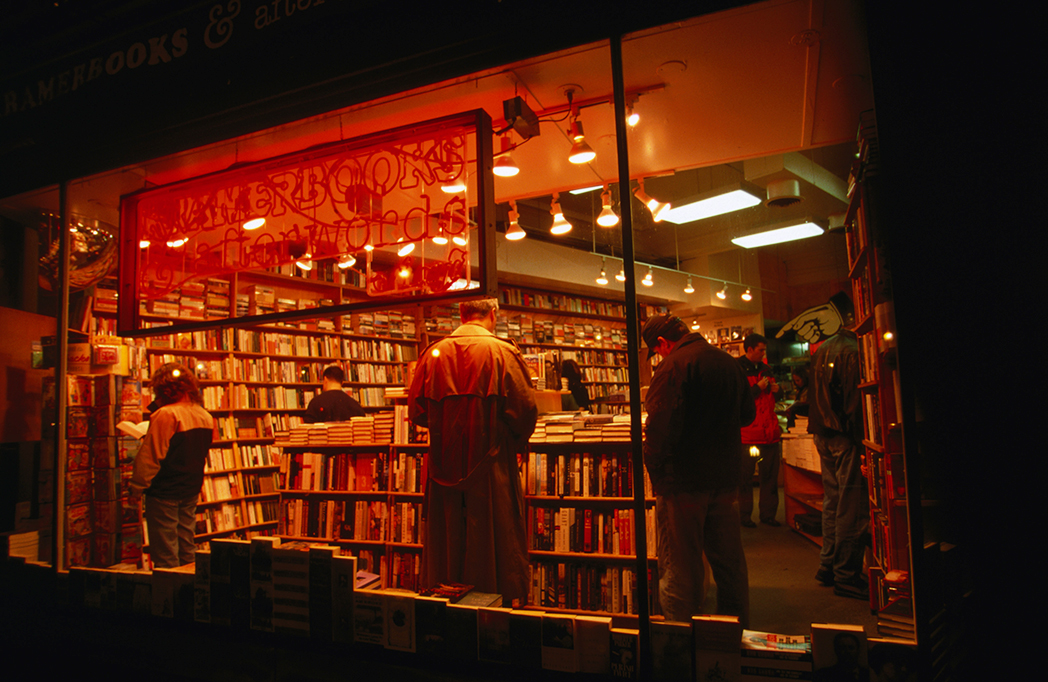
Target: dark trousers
845,508
688,524
768,477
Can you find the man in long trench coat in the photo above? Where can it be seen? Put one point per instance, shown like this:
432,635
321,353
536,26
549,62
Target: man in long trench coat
472,391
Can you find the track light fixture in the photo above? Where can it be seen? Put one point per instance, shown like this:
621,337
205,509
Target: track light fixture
305,262
514,232
560,225
347,261
632,117
695,325
746,295
621,276
607,217
647,281
504,166
603,278
656,207
688,288
254,223
581,152
723,293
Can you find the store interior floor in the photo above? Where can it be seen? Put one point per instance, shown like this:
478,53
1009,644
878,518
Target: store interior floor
784,596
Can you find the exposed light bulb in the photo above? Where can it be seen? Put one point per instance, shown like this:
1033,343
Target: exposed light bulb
607,217
647,281
747,296
143,244
560,224
621,276
175,243
347,261
405,248
504,166
603,278
254,223
514,232
581,152
723,293
689,289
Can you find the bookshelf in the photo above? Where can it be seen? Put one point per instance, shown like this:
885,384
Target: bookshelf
590,331
257,381
580,518
890,593
363,498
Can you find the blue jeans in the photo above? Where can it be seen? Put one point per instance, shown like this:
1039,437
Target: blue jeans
171,525
845,507
688,525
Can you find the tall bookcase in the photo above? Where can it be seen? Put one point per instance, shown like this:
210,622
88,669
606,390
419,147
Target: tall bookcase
257,381
588,330
890,586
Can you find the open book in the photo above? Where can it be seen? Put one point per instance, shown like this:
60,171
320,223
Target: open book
132,429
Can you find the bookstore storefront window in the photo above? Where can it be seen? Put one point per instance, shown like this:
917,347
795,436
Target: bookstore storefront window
723,113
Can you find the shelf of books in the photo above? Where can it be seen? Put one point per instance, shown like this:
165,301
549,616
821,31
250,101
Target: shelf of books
890,593
357,485
592,332
578,486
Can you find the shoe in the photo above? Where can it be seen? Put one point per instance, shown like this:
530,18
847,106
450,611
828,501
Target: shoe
824,576
856,590
748,523
771,522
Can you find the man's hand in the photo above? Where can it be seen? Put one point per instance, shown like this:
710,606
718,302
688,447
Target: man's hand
814,324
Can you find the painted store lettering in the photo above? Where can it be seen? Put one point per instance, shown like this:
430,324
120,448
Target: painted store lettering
278,9
47,89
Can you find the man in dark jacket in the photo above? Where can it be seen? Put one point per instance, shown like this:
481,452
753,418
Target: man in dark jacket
333,404
835,420
697,404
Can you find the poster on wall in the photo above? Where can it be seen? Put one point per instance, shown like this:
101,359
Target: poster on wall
401,216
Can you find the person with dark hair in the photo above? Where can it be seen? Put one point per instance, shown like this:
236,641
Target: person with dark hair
763,434
169,467
697,404
799,408
836,422
473,392
333,404
571,371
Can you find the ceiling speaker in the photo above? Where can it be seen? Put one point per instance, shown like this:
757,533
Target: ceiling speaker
782,193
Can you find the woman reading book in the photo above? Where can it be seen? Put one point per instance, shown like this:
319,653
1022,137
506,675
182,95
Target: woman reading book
169,467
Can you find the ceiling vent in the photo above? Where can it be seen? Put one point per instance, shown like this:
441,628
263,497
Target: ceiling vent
782,193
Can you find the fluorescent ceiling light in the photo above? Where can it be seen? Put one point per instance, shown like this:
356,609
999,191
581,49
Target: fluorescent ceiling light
779,235
585,189
726,202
